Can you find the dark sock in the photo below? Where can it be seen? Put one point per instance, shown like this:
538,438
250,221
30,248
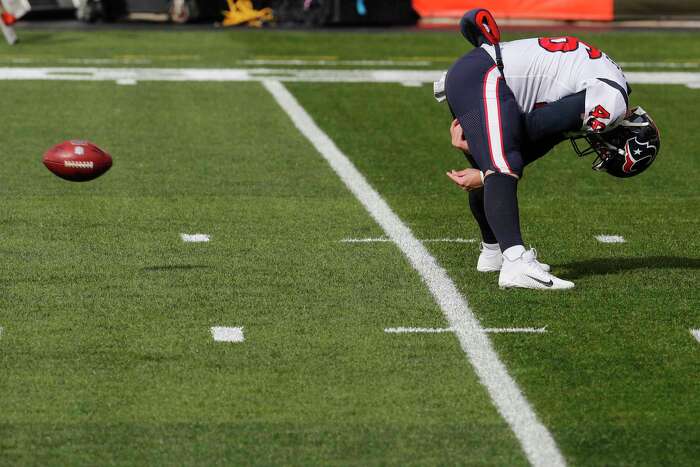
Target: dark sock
501,206
476,204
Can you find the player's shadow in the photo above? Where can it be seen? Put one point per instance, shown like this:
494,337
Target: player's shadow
599,266
174,267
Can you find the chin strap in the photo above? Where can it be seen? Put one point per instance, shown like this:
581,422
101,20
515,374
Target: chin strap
499,59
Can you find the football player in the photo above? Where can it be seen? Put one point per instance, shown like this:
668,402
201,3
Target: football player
511,103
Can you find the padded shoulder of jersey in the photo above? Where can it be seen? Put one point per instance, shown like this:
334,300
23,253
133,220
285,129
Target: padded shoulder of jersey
606,106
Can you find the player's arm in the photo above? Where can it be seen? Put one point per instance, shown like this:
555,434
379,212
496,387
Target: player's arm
457,135
556,119
467,179
605,107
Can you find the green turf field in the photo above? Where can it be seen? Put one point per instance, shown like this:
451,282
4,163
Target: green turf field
106,355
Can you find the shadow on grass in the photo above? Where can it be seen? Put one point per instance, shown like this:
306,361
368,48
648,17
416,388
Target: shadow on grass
174,267
42,38
598,266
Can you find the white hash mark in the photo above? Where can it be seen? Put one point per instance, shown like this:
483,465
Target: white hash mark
610,238
536,440
194,238
225,334
696,334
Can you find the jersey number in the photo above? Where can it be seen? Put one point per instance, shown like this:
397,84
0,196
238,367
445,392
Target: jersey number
568,44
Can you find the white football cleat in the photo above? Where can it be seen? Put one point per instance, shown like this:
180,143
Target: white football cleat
491,259
525,272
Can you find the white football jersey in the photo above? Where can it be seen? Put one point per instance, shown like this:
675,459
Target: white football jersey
543,70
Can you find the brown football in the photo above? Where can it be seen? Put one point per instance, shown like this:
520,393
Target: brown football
77,161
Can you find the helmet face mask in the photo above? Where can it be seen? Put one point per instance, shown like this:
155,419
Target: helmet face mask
626,150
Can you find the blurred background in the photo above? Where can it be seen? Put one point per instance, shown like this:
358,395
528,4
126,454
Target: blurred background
324,13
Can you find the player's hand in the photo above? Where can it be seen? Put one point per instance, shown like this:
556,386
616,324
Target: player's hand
467,179
458,136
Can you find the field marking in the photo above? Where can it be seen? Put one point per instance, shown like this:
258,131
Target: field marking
227,334
300,62
1,331
194,238
536,440
401,330
672,65
388,240
694,332
610,238
127,82
420,62
79,61
690,79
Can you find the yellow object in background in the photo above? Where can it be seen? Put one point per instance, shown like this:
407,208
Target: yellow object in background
243,12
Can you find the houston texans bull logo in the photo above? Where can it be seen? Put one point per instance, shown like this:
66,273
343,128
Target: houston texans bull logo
637,152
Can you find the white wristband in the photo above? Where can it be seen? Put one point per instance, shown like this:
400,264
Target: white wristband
481,174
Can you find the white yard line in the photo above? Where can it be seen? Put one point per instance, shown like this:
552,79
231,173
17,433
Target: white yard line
401,330
388,240
537,442
694,332
690,79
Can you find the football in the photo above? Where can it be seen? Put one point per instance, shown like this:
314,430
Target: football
77,161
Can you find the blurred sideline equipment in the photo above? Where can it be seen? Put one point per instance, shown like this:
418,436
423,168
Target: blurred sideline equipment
10,12
242,12
344,12
177,11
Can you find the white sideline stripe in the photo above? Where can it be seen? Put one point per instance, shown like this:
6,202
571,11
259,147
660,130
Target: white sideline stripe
194,238
694,332
278,74
659,64
296,62
441,330
226,334
79,61
536,441
430,240
610,238
300,62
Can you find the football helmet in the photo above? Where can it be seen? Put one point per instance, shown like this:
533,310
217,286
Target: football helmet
626,150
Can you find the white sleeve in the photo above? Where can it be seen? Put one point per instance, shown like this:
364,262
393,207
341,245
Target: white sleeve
605,107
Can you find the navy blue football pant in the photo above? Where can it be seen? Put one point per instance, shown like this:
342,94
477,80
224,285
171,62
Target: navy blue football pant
495,131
